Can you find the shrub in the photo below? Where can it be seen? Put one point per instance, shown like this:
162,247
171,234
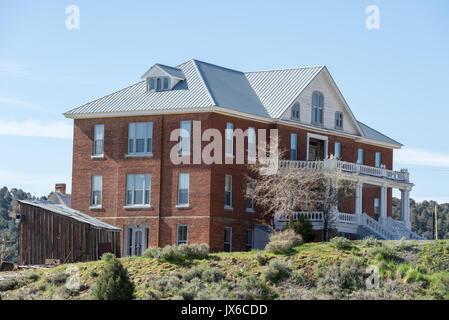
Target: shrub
277,271
57,278
253,288
283,241
7,285
301,278
107,256
213,274
114,283
181,252
152,252
168,283
261,259
304,228
192,273
339,280
371,242
341,243
383,254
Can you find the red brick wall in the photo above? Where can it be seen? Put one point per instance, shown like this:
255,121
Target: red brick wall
206,215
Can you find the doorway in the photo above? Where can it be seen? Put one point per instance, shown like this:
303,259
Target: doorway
316,150
136,239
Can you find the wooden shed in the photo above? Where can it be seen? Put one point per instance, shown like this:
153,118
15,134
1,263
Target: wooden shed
51,230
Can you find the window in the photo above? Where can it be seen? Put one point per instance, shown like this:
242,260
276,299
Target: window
293,146
338,120
337,151
228,191
138,188
181,234
227,239
165,83
251,144
295,111
184,146
249,239
376,208
317,108
158,84
250,195
97,188
229,140
378,159
360,156
98,139
150,84
140,138
183,189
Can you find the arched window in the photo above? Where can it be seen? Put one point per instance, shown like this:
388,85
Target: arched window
338,120
166,83
317,108
295,111
150,84
158,84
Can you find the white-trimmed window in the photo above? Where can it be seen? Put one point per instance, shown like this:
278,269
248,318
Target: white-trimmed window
150,84
360,155
227,239
229,144
166,83
97,189
251,144
228,191
293,146
337,150
181,234
317,108
249,239
138,187
338,120
295,111
98,140
183,189
378,159
184,145
140,138
250,195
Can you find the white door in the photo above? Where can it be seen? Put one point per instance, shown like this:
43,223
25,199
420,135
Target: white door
137,243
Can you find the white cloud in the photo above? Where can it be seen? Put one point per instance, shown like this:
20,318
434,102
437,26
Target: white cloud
412,156
33,128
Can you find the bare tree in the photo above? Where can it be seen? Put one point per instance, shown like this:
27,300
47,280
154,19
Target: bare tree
284,191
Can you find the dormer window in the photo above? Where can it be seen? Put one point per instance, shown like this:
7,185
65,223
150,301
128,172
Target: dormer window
295,111
317,108
161,78
338,120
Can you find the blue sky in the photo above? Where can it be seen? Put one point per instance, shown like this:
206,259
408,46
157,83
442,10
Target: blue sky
393,78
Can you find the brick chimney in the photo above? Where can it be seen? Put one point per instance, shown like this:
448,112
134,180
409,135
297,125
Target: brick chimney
60,187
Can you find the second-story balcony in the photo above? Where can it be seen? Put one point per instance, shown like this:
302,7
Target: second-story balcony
348,167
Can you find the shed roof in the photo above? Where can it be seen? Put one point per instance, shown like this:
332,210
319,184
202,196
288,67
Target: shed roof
63,210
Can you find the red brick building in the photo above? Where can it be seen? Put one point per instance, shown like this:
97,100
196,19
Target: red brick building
123,172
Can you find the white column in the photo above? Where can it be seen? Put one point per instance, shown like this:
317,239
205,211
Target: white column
358,198
405,208
383,203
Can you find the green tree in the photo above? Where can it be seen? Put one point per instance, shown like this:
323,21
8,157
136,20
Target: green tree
114,282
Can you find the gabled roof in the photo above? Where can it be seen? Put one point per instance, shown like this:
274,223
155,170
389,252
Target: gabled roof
170,71
372,134
61,198
63,210
277,89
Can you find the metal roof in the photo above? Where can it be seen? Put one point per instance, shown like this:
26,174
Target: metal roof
63,210
174,72
370,133
277,89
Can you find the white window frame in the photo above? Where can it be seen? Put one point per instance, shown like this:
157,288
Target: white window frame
338,157
229,142
178,241
185,134
294,146
378,160
361,152
252,144
98,130
179,190
92,197
132,203
228,189
230,239
319,137
250,194
339,120
318,110
295,111
132,128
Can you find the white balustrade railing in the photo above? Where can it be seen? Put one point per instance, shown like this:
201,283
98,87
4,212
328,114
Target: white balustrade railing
401,176
402,231
376,227
347,218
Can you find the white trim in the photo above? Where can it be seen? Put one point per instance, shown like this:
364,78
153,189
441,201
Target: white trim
187,234
318,137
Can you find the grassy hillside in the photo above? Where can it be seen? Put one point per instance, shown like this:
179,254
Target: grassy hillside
408,270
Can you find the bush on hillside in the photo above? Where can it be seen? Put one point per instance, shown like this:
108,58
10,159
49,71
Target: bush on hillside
114,283
283,241
181,252
277,270
304,228
341,243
